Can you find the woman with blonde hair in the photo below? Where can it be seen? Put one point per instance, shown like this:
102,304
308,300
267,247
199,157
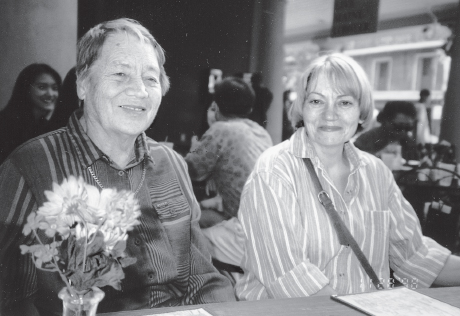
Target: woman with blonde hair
320,216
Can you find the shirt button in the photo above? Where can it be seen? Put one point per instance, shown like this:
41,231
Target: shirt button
137,241
121,173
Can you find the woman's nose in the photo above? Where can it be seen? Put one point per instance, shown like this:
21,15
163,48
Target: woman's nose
330,111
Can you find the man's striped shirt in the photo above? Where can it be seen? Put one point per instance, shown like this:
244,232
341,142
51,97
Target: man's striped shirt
173,266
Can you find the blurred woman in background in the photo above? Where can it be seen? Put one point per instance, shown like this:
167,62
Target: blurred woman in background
29,113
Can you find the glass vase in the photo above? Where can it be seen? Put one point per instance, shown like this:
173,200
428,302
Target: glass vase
80,304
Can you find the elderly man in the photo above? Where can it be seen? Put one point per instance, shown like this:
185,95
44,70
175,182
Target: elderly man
121,80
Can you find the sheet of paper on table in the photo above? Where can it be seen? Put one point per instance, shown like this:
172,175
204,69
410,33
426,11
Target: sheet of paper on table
399,301
194,312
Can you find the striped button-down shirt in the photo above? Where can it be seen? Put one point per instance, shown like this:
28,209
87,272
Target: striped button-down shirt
172,268
292,249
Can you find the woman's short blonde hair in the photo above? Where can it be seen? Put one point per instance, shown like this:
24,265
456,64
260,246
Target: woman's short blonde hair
346,75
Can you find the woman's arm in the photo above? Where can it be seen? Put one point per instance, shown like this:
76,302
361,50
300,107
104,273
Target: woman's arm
413,257
450,273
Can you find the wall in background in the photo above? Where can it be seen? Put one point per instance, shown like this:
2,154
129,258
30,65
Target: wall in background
43,31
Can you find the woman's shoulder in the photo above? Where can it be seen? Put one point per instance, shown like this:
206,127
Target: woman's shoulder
277,156
372,163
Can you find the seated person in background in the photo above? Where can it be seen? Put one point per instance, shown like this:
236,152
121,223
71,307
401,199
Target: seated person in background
291,247
226,155
398,119
121,79
31,109
68,99
264,98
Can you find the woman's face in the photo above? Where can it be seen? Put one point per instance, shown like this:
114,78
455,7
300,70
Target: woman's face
212,114
330,117
44,92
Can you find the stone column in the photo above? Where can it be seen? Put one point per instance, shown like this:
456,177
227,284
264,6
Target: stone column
35,31
450,122
267,57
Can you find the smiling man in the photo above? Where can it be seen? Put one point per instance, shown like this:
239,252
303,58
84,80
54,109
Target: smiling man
121,80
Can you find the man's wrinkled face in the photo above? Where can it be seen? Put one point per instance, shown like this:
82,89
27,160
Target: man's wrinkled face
122,91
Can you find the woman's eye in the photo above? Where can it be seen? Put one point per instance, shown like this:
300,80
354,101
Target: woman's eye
315,101
346,103
120,74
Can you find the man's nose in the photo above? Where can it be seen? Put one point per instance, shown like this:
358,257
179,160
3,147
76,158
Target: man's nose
137,88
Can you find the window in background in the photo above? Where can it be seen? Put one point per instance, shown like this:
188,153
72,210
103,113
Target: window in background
382,74
426,71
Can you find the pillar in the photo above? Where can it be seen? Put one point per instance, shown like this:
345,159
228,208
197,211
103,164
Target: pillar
267,57
450,127
35,31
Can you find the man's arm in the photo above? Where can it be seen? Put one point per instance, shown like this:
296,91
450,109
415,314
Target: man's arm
17,272
209,285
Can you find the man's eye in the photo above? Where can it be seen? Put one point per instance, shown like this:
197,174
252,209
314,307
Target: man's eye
151,80
120,74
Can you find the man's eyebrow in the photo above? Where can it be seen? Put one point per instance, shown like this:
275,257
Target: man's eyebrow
121,64
152,68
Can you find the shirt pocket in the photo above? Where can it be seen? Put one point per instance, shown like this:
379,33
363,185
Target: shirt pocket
168,199
172,209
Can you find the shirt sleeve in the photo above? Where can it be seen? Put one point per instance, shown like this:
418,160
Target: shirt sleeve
415,259
275,241
207,285
17,272
202,160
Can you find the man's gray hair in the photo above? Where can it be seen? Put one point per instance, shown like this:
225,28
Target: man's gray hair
90,45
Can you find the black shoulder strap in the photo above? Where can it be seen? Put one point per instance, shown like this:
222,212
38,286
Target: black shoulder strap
344,235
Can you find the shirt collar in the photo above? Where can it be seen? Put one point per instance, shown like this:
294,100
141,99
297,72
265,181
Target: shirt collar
88,153
302,147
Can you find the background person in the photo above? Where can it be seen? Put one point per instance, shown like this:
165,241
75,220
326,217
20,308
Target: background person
31,108
423,107
226,155
292,249
121,79
67,101
397,119
263,99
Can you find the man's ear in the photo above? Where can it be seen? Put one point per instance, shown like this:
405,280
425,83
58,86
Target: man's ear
82,87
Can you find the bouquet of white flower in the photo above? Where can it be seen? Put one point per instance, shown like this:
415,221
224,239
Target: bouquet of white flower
85,233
